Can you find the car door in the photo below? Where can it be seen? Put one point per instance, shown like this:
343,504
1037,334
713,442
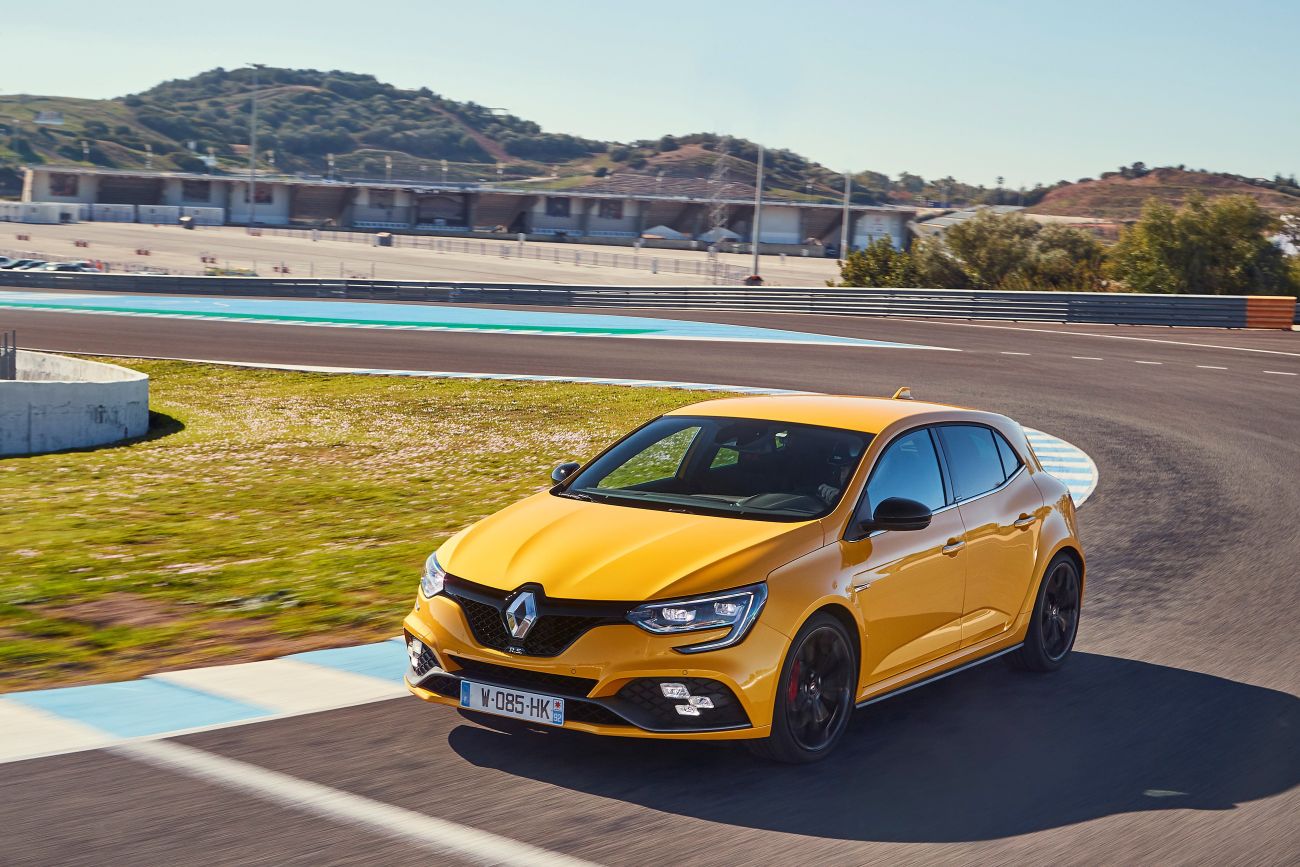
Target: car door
1001,508
909,585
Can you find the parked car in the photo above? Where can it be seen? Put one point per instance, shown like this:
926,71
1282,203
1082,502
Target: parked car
19,264
73,267
32,265
755,568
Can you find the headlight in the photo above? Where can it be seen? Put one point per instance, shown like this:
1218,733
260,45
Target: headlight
735,610
433,578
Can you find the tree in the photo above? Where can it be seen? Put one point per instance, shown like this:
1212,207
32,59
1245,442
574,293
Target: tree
879,264
1217,247
667,143
1010,252
989,247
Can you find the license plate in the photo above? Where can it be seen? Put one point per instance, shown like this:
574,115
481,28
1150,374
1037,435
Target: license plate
545,709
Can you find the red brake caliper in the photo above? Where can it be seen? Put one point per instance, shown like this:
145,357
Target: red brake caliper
794,680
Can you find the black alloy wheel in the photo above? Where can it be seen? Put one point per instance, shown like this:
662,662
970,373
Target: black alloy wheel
1060,614
815,695
1055,621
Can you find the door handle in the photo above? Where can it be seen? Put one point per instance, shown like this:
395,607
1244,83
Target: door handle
1024,521
953,546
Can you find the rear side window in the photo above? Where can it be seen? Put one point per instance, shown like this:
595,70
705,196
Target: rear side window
908,468
1010,461
973,459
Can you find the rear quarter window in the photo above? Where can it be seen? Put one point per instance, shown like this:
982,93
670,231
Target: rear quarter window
973,459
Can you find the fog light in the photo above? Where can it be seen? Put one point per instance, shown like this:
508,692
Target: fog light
674,690
413,651
688,710
701,701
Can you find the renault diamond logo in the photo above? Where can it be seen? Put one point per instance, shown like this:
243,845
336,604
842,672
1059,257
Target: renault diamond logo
521,614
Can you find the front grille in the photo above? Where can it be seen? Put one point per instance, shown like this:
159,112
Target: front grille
551,636
560,622
642,701
485,622
522,678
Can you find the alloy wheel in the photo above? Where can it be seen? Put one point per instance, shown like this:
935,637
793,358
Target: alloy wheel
1060,613
818,695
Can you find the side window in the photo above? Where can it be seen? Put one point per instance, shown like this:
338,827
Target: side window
1010,461
973,459
908,468
656,463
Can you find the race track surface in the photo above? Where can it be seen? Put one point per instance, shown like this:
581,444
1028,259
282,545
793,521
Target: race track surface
1173,735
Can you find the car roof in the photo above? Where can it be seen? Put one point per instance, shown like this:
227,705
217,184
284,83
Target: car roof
866,414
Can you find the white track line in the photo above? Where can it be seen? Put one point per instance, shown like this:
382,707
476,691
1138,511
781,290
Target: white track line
428,832
1148,362
1281,373
1086,358
1210,367
1094,334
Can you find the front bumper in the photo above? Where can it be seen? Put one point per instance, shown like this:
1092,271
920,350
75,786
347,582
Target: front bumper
609,676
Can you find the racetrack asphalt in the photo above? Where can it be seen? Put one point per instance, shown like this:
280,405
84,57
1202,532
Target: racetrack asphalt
1172,736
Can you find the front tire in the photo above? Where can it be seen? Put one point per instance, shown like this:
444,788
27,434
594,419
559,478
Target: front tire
1055,622
815,694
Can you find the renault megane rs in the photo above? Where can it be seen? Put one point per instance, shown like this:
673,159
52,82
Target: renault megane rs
755,568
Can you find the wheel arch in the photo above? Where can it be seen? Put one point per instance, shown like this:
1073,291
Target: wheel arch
1072,551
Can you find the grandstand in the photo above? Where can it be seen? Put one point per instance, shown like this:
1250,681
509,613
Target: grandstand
616,211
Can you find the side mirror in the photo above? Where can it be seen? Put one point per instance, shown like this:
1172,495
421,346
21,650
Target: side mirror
899,513
563,471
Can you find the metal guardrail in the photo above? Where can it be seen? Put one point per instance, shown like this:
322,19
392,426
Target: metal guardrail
1218,311
8,355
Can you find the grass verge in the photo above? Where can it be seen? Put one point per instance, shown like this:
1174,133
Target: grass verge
268,512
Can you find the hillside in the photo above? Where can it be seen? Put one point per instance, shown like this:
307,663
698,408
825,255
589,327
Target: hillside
352,126
370,129
1120,196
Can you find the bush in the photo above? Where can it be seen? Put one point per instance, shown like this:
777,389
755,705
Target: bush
987,251
188,162
1218,247
879,264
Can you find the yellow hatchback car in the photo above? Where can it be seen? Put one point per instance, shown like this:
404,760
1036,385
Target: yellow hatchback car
755,568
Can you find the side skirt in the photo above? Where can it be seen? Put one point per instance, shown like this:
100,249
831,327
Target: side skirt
940,676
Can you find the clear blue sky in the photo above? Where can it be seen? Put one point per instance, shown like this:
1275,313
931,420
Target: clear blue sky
1035,90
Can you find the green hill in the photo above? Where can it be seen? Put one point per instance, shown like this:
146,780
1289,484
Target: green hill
375,130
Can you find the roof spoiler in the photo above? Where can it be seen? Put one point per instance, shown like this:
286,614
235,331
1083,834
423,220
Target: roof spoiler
904,393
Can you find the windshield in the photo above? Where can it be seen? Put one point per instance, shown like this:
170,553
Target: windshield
725,466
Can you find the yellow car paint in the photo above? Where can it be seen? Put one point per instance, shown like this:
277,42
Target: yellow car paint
919,603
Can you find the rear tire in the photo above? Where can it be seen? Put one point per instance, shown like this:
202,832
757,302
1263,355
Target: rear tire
1054,624
815,694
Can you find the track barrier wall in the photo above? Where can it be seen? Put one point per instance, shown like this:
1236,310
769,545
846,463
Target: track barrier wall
60,403
1213,311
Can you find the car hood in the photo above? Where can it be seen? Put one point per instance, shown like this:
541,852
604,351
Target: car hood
597,551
